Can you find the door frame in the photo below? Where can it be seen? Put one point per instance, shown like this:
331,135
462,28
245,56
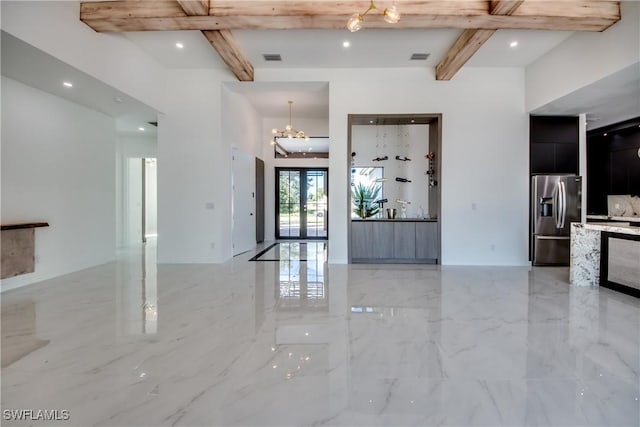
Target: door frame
303,193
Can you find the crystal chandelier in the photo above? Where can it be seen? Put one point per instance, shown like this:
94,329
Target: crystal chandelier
289,131
391,15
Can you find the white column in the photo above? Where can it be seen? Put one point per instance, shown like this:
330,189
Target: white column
582,161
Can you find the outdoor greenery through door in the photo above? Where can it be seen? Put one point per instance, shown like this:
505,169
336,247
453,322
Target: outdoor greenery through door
301,203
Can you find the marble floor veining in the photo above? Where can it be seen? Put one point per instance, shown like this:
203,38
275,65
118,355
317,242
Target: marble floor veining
297,343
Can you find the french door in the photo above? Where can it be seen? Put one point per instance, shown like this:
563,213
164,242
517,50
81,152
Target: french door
302,203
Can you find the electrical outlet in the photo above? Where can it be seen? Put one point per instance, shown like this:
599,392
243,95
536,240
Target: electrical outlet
213,245
473,206
209,206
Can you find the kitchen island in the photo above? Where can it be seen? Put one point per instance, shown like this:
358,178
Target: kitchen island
622,257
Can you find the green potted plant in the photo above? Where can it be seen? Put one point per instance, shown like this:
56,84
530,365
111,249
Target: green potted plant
363,197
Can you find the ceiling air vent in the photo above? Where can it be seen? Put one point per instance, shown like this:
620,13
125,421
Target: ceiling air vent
272,57
419,56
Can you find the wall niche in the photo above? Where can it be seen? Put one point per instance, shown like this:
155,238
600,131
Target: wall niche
394,188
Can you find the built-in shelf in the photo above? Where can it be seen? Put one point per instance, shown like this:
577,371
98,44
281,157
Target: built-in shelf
18,248
23,225
404,166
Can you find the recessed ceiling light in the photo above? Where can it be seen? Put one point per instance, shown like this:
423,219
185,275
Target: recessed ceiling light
346,43
141,129
605,134
370,121
413,121
179,45
513,43
67,84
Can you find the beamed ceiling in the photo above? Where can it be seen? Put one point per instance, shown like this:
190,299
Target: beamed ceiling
478,18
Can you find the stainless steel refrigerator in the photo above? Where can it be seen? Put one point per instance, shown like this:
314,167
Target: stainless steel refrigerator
556,203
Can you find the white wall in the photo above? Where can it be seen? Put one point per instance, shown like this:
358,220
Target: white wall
129,147
241,123
55,27
584,58
57,166
485,152
194,170
151,197
133,202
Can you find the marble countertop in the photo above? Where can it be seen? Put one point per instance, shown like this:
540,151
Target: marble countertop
615,218
608,226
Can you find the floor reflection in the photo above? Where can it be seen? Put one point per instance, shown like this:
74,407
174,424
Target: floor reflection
301,276
137,291
19,331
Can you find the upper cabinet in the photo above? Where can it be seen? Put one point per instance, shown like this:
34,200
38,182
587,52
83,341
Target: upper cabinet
613,163
553,144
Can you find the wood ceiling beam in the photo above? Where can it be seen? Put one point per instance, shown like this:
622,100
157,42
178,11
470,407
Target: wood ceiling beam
228,49
222,41
504,7
165,15
464,47
471,40
195,7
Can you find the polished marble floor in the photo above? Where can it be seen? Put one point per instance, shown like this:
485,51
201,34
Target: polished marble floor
299,343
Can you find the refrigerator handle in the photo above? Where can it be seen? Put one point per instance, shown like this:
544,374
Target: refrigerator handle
563,203
556,204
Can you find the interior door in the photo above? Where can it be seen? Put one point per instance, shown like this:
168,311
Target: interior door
243,214
301,203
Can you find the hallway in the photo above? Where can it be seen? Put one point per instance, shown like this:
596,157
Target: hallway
292,342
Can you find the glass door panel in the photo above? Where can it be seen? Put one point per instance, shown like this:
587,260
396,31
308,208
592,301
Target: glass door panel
302,208
288,203
316,204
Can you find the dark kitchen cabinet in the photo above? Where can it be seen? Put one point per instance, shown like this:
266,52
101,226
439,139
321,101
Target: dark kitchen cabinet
543,158
553,144
613,163
597,176
624,165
